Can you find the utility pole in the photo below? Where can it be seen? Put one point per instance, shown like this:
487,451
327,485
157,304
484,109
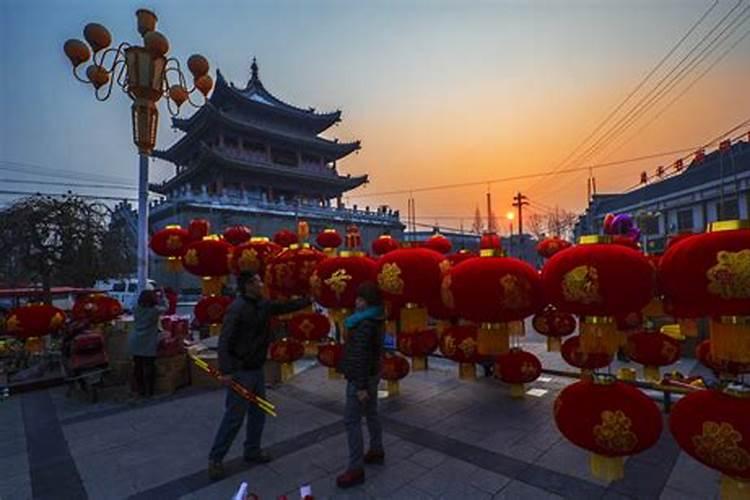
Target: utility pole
520,201
490,225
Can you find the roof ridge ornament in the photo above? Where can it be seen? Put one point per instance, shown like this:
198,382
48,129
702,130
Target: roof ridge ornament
254,70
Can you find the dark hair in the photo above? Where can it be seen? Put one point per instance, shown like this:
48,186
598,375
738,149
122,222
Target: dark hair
369,291
147,298
244,278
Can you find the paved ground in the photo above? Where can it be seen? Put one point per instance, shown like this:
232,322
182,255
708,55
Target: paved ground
445,438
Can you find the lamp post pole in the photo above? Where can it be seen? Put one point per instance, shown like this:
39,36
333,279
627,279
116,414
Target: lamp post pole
142,251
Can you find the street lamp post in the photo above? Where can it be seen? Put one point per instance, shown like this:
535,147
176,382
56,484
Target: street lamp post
146,75
510,216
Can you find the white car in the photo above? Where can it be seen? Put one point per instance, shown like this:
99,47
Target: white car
125,290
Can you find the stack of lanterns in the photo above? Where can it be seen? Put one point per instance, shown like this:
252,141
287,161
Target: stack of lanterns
286,351
459,343
288,272
32,322
309,328
393,369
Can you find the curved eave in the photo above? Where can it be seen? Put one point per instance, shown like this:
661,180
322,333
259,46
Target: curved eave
209,115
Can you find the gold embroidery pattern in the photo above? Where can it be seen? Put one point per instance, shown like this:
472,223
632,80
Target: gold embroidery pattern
730,277
56,321
445,292
581,284
389,279
191,257
306,327
174,242
13,324
248,260
338,282
515,292
718,446
614,433
449,345
468,347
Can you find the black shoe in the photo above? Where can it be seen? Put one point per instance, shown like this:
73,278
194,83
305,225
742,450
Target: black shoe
215,471
258,458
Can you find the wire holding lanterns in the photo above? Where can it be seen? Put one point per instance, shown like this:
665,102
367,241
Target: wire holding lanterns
145,73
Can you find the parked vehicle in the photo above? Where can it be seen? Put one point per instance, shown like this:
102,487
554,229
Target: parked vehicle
125,290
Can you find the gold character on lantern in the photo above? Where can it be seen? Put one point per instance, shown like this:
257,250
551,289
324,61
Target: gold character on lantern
468,347
306,327
515,291
718,446
389,279
338,282
191,257
528,370
174,242
56,321
449,345
13,324
668,350
248,260
614,432
581,284
730,277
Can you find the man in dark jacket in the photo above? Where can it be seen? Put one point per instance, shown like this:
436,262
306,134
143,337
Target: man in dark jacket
243,346
361,367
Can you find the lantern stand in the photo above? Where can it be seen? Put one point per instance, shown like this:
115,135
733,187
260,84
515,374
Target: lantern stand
143,73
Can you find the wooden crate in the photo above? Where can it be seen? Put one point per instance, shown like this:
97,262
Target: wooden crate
171,373
117,344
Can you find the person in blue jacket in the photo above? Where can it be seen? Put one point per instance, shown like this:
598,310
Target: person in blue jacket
144,339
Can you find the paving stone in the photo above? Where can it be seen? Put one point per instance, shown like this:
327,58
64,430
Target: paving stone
517,490
488,481
693,478
393,477
566,458
428,458
448,476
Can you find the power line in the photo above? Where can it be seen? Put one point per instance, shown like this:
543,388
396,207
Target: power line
34,169
68,184
69,194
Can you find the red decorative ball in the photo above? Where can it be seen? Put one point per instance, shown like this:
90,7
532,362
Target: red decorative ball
34,320
335,280
237,235
309,327
550,246
330,354
554,323
97,308
419,343
410,275
172,241
438,243
207,257
394,367
285,237
211,310
517,367
459,343
384,243
574,356
253,255
329,238
652,349
198,229
286,350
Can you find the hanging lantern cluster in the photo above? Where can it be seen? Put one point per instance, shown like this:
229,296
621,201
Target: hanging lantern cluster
253,255
209,259
171,242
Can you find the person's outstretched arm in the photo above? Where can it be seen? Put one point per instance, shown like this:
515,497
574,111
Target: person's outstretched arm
277,307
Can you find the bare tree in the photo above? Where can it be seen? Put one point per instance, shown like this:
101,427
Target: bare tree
537,224
561,222
476,226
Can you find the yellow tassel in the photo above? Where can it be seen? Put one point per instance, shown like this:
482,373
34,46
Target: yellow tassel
174,264
734,489
627,374
493,339
311,349
333,374
688,327
517,391
730,339
600,334
34,345
516,329
587,374
393,388
413,318
554,344
467,371
651,373
212,285
287,370
214,329
419,363
606,468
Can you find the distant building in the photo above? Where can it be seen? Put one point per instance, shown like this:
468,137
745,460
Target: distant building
249,158
716,187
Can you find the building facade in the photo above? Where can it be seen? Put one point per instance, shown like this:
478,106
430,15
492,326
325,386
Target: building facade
714,187
249,158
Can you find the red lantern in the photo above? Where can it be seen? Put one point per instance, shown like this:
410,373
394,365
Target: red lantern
709,275
285,237
209,259
418,345
210,311
171,242
411,277
335,281
713,427
97,308
550,246
554,325
253,255
383,244
34,320
724,369
286,351
599,281
459,343
288,273
237,235
330,355
496,292
329,239
309,328
652,350
626,241
198,229
490,241
610,419
517,367
438,243
460,256
394,368
587,361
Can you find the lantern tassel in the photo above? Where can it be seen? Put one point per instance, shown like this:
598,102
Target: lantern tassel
212,285
516,329
287,370
734,489
467,371
311,349
419,363
493,339
517,391
554,344
607,468
413,318
393,387
600,334
651,373
730,339
214,329
174,264
333,374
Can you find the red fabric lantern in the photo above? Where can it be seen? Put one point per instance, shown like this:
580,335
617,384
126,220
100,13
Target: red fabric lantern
96,308
253,255
309,327
713,427
393,369
517,367
599,281
724,369
329,239
438,243
286,351
288,273
209,259
550,246
493,291
626,241
460,256
490,241
459,343
210,311
330,355
171,242
411,276
285,237
652,350
418,345
554,325
384,243
610,419
237,235
587,361
198,229
709,275
34,320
